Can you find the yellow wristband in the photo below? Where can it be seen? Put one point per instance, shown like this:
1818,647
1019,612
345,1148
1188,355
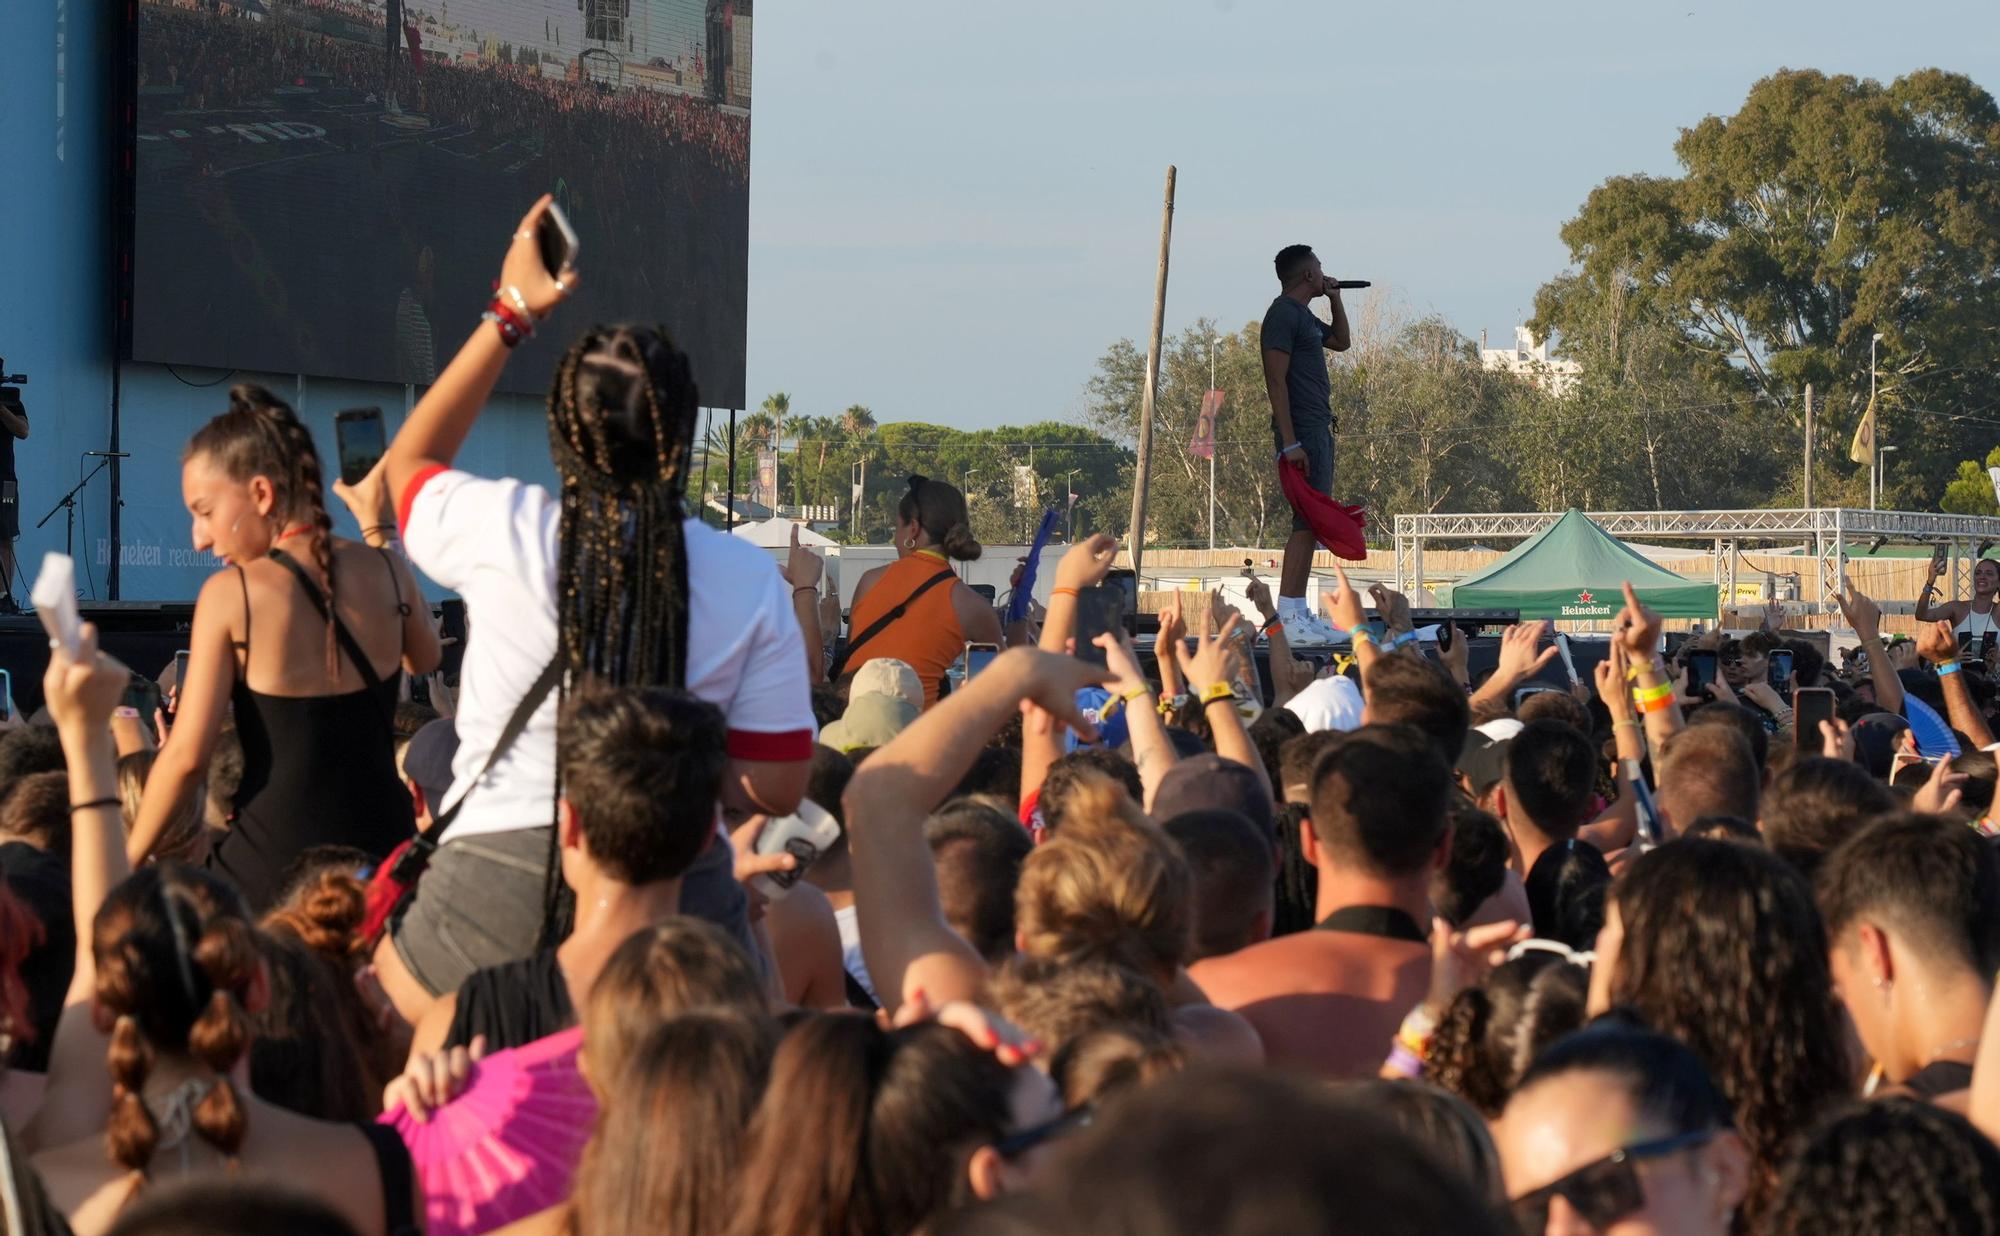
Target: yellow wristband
1362,635
1217,691
1646,695
1134,696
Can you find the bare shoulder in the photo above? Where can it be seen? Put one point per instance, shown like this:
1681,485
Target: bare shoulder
1217,1036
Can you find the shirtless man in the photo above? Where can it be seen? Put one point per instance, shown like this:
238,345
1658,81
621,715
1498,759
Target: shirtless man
1330,999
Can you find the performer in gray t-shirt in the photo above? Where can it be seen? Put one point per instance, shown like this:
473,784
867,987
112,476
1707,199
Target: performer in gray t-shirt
1302,422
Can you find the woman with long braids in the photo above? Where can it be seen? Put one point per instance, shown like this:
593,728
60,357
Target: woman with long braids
313,697
148,1077
611,580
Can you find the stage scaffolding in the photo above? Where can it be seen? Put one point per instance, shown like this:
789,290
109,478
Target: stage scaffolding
1825,532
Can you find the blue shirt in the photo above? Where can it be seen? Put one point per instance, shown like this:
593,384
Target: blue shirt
1291,327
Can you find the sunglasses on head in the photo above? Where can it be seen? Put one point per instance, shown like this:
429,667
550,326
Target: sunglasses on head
1605,1191
1014,1145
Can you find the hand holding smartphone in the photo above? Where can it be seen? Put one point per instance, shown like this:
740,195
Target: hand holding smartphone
357,434
557,240
1100,610
1810,707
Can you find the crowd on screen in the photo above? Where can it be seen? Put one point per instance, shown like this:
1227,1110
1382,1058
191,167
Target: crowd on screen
692,903
222,62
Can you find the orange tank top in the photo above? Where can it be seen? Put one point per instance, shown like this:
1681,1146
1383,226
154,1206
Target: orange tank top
927,637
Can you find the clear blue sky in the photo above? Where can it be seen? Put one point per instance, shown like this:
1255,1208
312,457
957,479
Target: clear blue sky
955,205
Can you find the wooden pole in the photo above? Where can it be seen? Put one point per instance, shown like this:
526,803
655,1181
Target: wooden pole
1142,477
1809,447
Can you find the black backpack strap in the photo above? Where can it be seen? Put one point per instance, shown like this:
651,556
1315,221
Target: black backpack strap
348,643
876,627
517,722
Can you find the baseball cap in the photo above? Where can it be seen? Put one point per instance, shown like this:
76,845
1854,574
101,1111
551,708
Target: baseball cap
1483,761
427,760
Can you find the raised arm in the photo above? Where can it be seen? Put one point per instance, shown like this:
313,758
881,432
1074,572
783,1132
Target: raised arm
1521,658
1337,337
904,937
802,572
81,695
1209,682
1865,616
1937,643
438,426
1084,566
204,706
1615,829
1152,750
1637,631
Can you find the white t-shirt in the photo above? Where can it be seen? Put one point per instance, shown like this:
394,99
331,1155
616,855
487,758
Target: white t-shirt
850,950
494,543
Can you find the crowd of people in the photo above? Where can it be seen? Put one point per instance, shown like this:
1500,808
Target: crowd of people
690,908
235,62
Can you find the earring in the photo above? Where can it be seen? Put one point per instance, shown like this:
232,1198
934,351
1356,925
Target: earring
910,544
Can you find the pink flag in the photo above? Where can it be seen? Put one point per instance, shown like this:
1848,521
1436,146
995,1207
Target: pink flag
1203,446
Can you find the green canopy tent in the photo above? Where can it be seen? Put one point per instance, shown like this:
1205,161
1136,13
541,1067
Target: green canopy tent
1573,570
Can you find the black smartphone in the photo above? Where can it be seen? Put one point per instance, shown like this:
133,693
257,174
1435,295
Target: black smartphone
1778,670
1701,672
142,695
1810,706
1447,631
1127,583
1940,558
180,683
977,657
1099,611
357,433
6,696
987,591
557,240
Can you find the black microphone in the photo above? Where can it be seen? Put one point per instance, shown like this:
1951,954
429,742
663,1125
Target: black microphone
1349,284
109,454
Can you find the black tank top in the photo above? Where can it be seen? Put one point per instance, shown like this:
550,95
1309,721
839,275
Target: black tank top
317,770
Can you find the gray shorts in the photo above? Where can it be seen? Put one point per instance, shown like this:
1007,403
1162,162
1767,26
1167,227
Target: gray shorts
480,904
1316,438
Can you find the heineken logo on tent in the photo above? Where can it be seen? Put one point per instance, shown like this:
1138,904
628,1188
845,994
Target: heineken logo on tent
1587,606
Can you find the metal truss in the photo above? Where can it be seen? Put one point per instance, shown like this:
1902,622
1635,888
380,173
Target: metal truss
1827,530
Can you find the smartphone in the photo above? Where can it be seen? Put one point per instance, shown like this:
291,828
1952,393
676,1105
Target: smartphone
1778,669
1447,632
976,658
6,696
557,240
1701,672
180,683
1521,694
1099,610
1940,558
1127,582
1810,706
805,835
142,695
986,590
357,433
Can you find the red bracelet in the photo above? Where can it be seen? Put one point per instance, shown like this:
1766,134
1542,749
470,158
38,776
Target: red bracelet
512,326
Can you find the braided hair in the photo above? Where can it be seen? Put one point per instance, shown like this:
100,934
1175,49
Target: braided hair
176,956
260,435
621,432
1893,1165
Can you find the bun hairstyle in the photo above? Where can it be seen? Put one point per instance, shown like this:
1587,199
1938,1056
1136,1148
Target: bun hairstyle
939,509
260,435
176,956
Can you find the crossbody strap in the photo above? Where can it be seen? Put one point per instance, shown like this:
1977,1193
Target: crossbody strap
517,723
876,627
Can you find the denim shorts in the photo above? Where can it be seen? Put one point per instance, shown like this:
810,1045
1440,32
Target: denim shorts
1316,439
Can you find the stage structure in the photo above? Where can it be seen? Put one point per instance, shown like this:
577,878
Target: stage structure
1826,532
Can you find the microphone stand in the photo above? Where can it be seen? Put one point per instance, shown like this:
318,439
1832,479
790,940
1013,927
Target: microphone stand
68,503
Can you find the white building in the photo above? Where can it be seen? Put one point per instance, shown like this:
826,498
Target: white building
1530,360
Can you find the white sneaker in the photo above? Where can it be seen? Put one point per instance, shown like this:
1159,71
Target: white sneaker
1305,629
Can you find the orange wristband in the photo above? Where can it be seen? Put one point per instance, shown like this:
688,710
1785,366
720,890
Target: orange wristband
1061,592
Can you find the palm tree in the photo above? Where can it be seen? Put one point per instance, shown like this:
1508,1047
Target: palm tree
858,422
798,427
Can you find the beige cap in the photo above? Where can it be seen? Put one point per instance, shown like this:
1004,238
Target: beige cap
888,676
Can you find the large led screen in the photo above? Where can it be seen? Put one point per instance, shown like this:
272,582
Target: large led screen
326,187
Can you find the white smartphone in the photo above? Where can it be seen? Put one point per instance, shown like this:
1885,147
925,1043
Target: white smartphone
54,596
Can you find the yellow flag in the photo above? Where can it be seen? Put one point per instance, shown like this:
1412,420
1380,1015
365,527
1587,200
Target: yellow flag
1863,449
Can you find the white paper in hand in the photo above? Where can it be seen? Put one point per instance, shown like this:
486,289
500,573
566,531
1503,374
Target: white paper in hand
54,596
